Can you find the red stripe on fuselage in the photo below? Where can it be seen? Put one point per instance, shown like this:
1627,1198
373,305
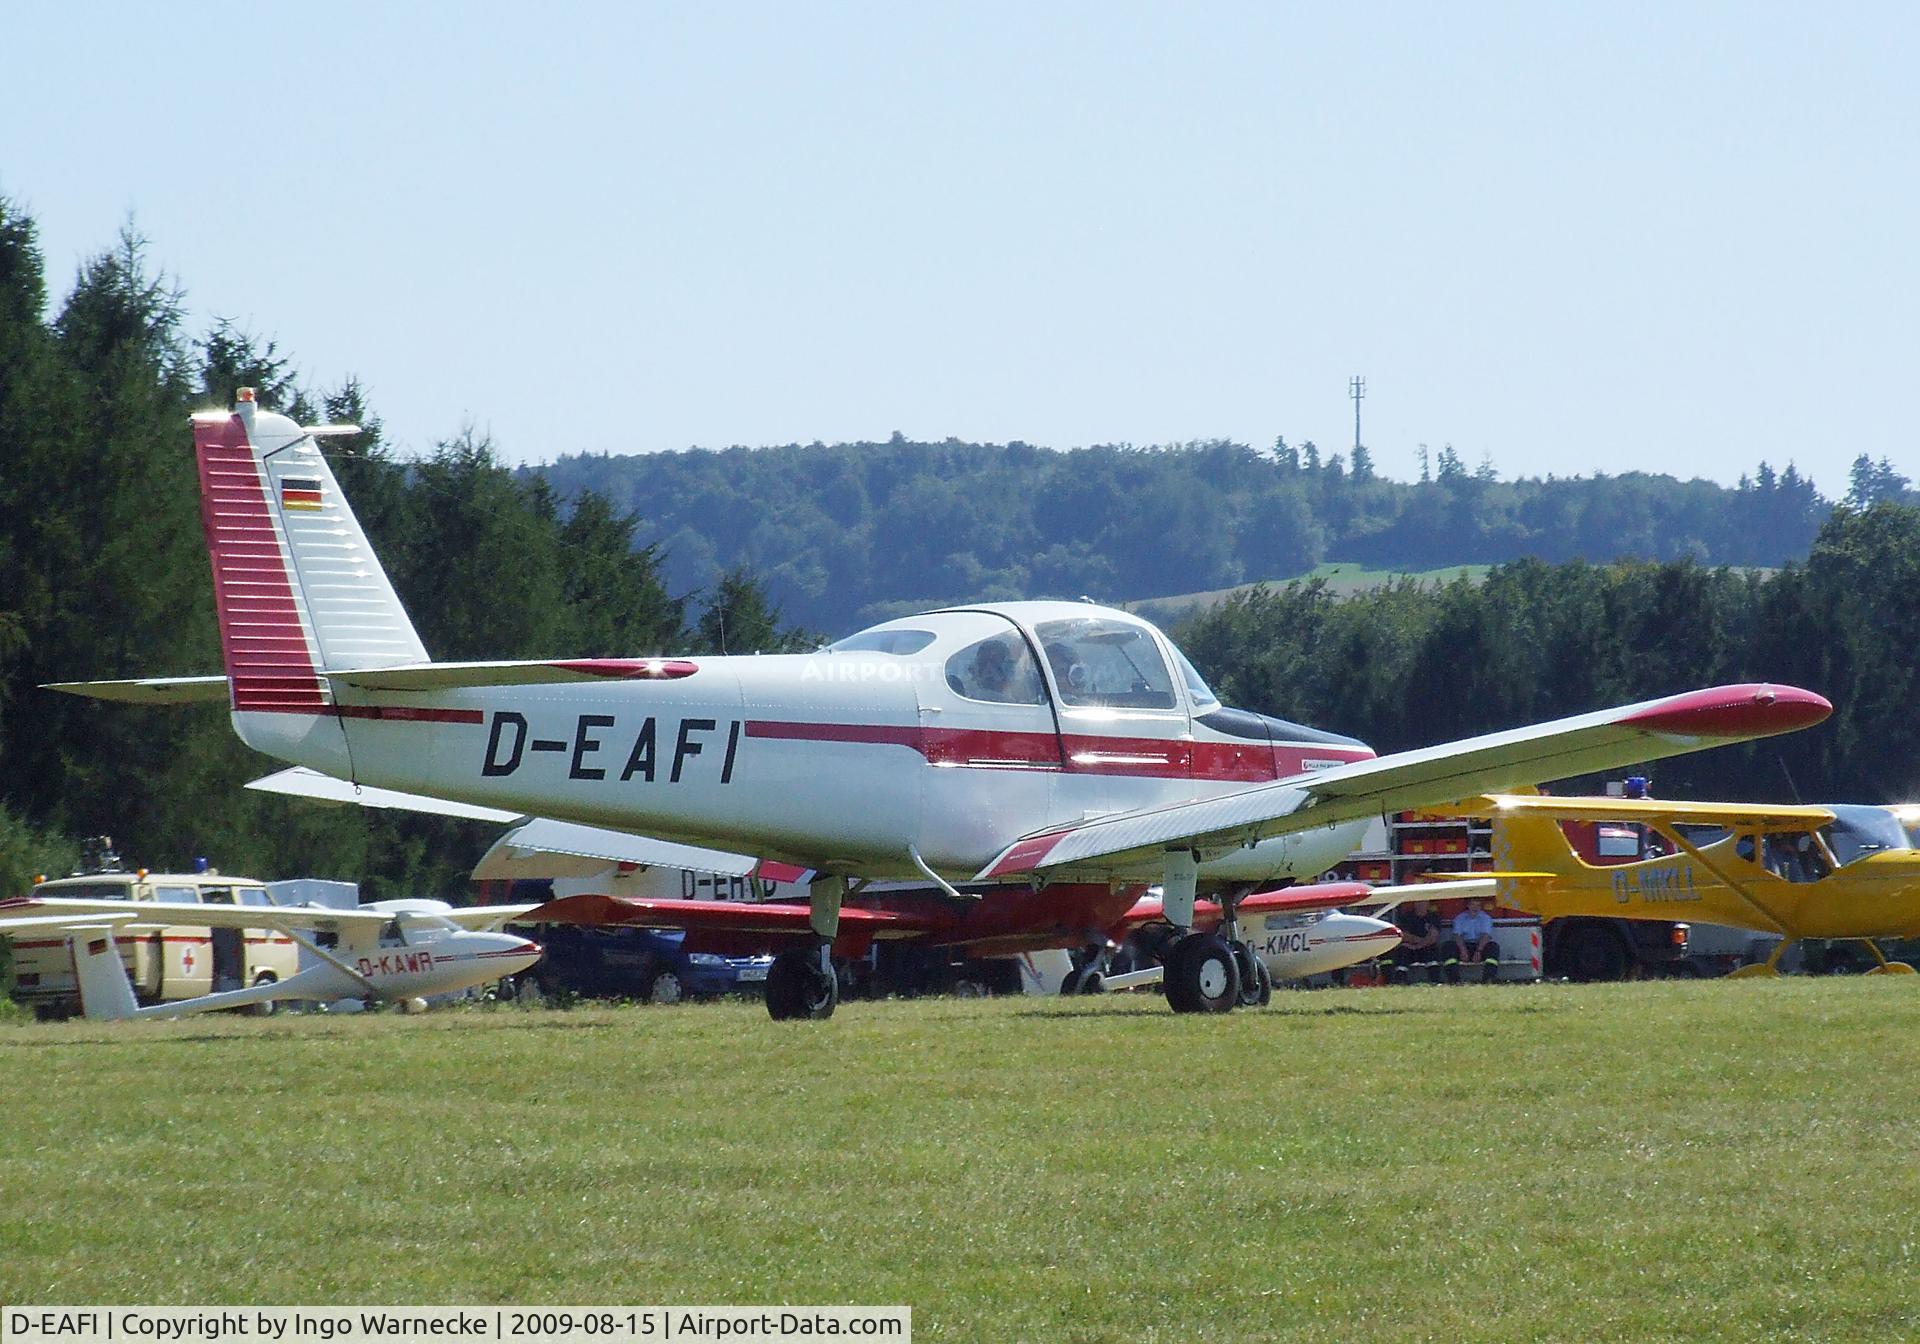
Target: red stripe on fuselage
1154,757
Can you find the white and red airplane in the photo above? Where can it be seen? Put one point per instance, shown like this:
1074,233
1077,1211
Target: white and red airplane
1050,745
403,951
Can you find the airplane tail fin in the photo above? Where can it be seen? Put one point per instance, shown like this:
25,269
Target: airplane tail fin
1537,845
106,995
296,584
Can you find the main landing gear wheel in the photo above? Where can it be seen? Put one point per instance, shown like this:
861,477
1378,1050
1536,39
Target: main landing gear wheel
266,1007
798,988
1201,975
1256,990
1086,980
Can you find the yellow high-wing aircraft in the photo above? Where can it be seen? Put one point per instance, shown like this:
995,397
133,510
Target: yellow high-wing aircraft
1839,871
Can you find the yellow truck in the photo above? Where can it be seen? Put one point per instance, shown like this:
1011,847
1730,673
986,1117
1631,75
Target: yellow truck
164,963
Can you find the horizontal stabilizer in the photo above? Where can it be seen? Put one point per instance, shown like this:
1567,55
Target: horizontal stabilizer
150,690
458,676
301,782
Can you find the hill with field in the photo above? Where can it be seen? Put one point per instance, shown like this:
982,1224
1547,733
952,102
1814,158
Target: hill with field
844,534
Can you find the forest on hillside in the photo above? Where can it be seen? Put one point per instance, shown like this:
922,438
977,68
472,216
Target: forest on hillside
103,573
845,534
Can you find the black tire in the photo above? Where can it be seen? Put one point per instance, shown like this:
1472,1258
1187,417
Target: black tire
1593,952
1202,975
271,1006
796,988
1252,971
666,987
1266,982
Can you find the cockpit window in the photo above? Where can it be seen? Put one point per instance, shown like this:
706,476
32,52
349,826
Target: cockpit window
1203,697
1000,670
1106,663
898,642
1857,832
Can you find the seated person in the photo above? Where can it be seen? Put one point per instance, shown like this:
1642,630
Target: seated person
1000,670
1807,864
1472,943
1419,940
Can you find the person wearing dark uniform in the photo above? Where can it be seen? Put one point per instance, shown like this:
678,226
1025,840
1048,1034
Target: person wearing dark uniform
1419,940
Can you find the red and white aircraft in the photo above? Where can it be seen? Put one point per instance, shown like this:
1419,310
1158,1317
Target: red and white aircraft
1047,745
403,951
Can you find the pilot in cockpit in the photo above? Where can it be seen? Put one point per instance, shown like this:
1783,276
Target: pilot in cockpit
998,673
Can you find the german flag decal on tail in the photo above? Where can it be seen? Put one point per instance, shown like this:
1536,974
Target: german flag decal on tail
300,492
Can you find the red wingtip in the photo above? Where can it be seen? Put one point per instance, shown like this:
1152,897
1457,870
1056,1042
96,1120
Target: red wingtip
1755,709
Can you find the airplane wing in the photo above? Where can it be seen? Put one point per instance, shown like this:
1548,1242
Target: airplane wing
545,848
484,917
1134,843
300,782
53,911
150,690
1651,810
1448,886
538,847
1288,900
17,924
777,924
161,914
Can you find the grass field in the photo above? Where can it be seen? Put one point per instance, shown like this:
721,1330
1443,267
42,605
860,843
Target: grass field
1619,1162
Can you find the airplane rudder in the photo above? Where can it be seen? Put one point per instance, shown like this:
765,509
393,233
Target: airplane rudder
106,995
1533,844
297,580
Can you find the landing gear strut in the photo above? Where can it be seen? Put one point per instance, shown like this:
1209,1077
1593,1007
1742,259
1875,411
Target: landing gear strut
1088,973
1202,969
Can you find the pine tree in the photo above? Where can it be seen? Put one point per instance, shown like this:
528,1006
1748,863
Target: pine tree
739,618
1362,470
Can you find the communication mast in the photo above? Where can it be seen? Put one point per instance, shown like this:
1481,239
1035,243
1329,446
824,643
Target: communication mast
1357,389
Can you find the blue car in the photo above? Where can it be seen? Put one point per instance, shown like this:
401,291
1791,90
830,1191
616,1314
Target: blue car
649,964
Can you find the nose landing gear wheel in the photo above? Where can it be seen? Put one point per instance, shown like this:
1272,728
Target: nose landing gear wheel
798,988
1201,975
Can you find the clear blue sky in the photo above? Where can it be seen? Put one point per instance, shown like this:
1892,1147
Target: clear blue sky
1669,237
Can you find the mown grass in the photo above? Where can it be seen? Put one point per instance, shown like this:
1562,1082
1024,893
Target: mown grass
1630,1162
